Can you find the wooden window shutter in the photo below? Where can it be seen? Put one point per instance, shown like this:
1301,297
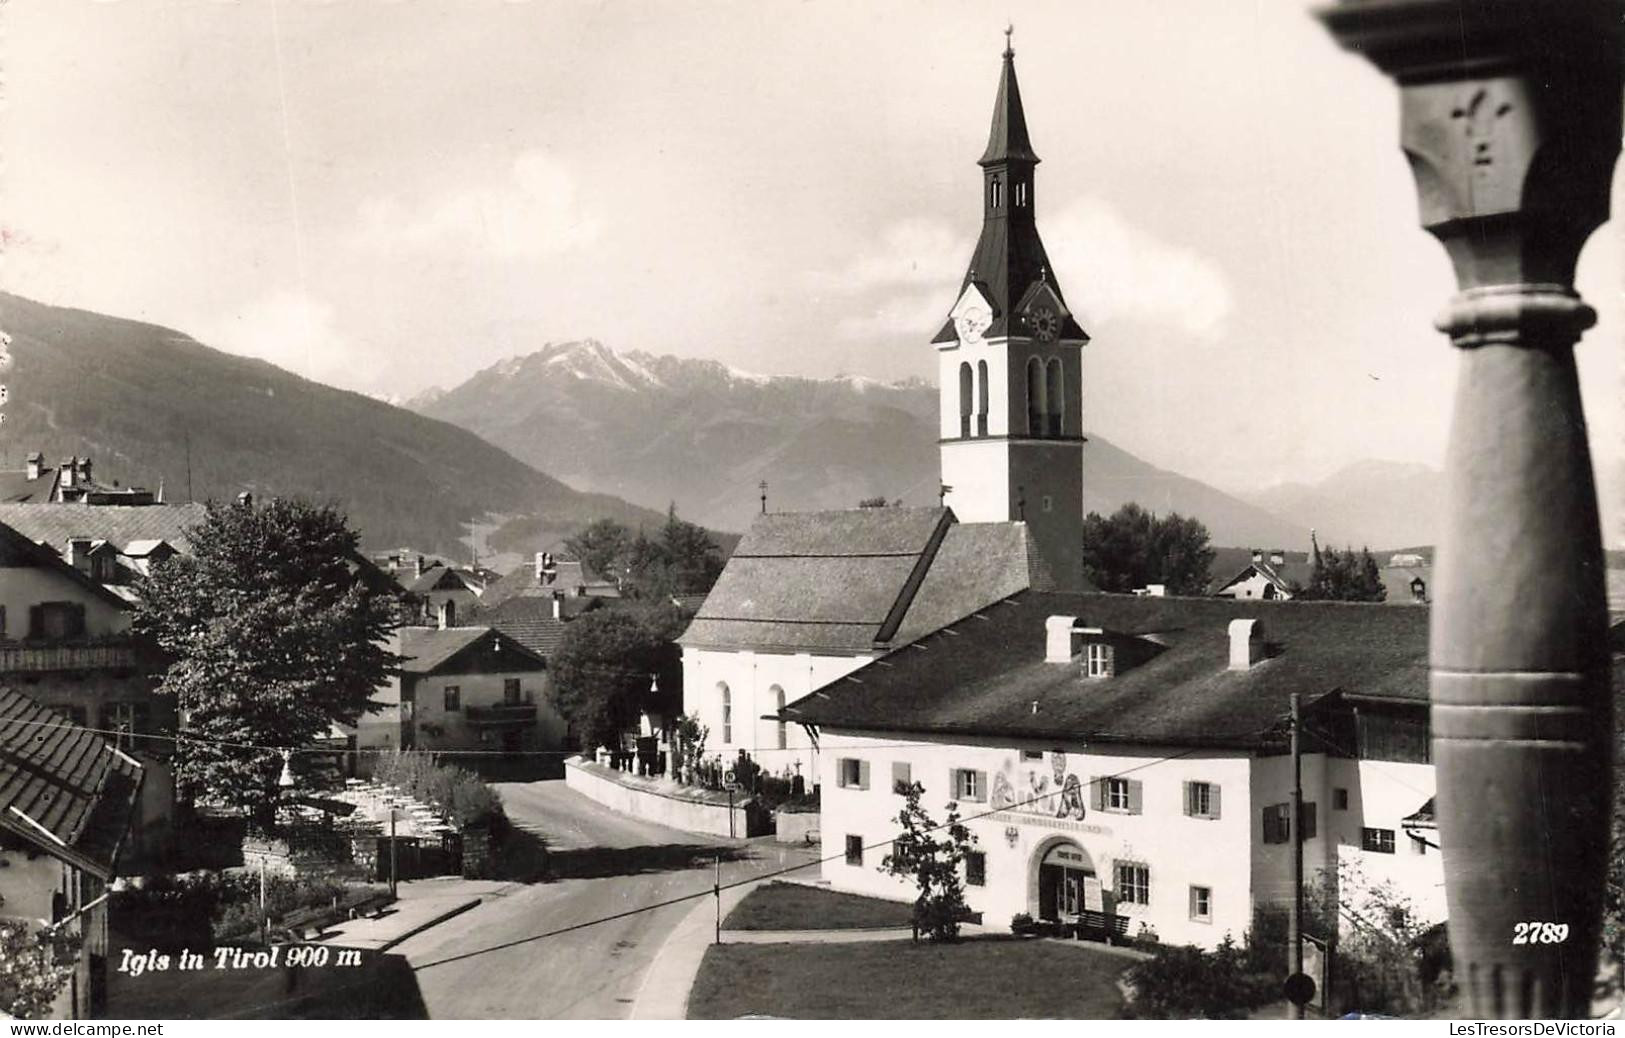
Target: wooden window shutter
1135,799
863,774
36,621
1190,799
1213,801
981,785
1097,793
1193,903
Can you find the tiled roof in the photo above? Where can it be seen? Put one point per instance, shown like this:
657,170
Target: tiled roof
858,581
16,486
427,649
986,674
539,634
63,788
120,524
838,581
521,580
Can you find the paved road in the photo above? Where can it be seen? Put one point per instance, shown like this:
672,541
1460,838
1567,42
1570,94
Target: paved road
494,962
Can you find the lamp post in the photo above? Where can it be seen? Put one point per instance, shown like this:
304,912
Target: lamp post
1510,119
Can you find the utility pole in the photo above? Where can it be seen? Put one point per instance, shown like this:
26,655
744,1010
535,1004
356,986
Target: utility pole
1295,930
763,487
394,875
716,893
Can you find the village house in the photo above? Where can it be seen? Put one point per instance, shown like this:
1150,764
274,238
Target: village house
70,482
1092,741
67,800
806,598
1266,575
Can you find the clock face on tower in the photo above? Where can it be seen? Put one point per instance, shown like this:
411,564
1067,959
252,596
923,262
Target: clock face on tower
1045,323
972,323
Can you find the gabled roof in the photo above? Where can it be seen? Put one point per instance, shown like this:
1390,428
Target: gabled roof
15,549
1288,576
442,578
63,788
427,650
16,486
539,634
568,574
119,524
861,580
986,674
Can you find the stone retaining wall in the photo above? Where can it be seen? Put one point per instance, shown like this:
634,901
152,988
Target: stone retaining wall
664,802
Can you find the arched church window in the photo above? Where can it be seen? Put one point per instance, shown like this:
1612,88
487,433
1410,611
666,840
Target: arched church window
727,712
1036,409
1055,394
965,394
981,398
778,704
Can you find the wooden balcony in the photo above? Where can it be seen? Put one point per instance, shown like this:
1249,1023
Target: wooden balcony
45,657
502,715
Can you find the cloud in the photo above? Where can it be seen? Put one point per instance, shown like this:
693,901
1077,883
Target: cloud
531,213
1109,268
1112,269
292,330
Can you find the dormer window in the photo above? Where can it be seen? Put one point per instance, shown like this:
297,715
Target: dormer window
1097,660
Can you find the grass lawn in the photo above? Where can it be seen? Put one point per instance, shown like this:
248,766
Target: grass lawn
790,906
987,978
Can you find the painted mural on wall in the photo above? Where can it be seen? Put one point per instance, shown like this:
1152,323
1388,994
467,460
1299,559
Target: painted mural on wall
1056,793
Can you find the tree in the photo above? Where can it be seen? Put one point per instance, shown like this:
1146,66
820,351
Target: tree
35,965
1134,548
1343,576
682,560
602,671
933,863
602,545
879,502
1613,918
271,642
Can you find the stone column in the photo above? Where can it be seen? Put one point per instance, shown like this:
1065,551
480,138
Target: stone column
1510,118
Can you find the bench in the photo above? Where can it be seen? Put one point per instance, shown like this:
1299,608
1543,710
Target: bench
1100,926
309,923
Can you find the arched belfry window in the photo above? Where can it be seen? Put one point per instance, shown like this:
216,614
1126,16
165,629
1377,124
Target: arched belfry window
1036,408
778,705
995,192
966,394
727,712
1055,394
1021,195
981,398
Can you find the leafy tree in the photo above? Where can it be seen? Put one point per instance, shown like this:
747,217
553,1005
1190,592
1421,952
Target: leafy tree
602,671
35,965
271,642
1343,576
933,863
1134,548
1183,982
879,502
1613,920
682,560
603,545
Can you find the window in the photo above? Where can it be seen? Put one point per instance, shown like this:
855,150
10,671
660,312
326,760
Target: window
454,699
1055,396
970,785
1021,195
511,692
727,712
851,773
1117,798
56,620
1307,820
2,621
778,705
975,869
967,392
902,776
1379,840
1097,660
127,720
996,192
1278,823
1048,503
1133,881
1202,904
1035,397
854,849
981,398
1340,800
1201,800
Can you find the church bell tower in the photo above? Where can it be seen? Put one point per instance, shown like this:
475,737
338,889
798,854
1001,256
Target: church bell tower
1011,364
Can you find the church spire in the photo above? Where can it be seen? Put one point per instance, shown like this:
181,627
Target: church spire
1007,141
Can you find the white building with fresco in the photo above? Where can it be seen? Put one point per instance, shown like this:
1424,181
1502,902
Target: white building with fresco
809,597
1129,755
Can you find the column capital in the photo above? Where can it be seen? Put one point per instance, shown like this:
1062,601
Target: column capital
1510,119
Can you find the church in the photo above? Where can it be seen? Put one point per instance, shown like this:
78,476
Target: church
809,597
1088,740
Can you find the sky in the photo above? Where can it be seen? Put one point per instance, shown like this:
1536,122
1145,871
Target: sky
389,195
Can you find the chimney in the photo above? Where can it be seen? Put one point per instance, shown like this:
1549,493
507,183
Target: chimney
79,553
549,571
541,565
448,614
1058,639
84,469
1277,557
34,461
1246,644
417,566
1258,556
558,608
70,469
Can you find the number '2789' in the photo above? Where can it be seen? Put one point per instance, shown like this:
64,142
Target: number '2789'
1540,933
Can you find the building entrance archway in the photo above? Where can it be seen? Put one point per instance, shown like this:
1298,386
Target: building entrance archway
1063,883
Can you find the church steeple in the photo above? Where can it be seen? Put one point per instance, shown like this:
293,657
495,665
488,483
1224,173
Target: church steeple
1010,260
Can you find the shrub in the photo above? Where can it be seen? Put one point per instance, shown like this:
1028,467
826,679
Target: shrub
457,793
1183,982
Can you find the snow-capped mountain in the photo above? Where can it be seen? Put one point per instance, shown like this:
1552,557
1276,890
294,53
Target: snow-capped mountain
662,429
